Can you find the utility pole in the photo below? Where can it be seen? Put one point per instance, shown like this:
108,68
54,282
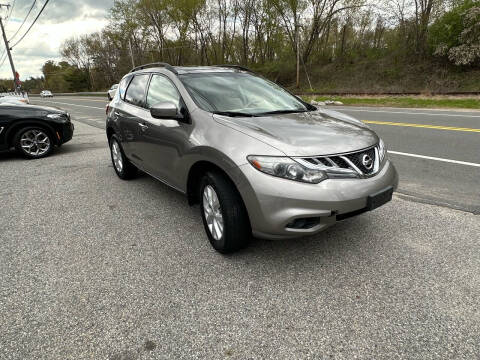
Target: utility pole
7,46
297,39
131,52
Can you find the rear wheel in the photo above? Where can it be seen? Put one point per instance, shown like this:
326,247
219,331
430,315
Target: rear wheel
223,213
123,167
33,142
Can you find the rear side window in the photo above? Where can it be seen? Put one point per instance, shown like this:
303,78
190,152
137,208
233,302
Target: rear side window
161,90
122,87
136,90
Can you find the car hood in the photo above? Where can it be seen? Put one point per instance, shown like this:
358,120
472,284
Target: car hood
321,132
35,108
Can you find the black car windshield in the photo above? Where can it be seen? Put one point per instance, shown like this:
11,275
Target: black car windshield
231,93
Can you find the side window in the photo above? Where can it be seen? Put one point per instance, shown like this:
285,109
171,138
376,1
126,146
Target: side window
136,90
161,89
122,87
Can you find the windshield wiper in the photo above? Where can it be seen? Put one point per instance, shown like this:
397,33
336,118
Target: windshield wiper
290,111
233,113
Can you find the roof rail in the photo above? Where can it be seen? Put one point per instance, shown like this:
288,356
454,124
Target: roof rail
238,67
158,64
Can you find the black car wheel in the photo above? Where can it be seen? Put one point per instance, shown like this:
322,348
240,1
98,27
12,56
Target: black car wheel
33,142
224,215
123,167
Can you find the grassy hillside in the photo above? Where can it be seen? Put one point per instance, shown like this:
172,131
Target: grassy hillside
388,76
447,102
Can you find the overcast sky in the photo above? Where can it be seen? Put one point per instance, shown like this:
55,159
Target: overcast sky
60,20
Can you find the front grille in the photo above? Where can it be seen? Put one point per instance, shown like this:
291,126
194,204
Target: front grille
340,162
362,163
358,160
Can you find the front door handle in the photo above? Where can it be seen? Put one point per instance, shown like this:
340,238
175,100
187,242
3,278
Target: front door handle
143,126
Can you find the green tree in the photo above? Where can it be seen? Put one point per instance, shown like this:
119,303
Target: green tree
456,35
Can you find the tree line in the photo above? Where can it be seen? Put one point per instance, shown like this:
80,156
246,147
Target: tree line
270,36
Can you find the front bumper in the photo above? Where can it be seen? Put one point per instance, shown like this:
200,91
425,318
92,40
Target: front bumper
66,133
273,204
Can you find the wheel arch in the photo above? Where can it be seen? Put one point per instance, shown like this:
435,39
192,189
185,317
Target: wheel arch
16,127
110,131
194,175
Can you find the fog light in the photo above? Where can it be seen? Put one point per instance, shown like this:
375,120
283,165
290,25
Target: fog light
303,223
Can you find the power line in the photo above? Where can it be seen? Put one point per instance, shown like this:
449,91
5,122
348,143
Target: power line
10,7
34,21
24,20
7,47
6,18
4,58
11,11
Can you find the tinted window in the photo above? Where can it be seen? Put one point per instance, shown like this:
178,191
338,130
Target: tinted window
123,86
136,90
161,90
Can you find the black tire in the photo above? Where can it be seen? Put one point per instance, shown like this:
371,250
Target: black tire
18,146
237,232
127,170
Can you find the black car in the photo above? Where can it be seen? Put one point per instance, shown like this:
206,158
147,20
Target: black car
33,130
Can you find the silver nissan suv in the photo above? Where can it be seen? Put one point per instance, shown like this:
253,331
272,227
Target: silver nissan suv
258,160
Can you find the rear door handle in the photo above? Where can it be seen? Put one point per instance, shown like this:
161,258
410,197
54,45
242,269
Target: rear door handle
143,126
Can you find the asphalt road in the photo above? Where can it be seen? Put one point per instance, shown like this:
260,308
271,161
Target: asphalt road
452,137
92,267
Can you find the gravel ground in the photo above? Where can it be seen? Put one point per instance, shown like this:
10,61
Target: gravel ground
92,267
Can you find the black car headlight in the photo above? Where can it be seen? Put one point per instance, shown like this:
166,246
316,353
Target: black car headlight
56,116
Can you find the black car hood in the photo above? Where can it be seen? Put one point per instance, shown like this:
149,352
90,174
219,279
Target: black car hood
34,108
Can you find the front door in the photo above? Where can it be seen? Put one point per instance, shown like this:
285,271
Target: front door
164,140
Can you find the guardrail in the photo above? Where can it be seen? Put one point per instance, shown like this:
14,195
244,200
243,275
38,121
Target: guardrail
97,93
363,93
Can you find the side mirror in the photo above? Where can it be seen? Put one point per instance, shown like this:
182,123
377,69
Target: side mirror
165,110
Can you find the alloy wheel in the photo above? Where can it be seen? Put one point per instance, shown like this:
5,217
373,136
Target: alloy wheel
35,142
213,212
117,156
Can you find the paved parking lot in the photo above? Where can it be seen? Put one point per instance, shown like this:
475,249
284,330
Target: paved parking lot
92,267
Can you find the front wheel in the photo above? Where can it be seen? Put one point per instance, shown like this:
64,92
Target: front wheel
223,213
123,167
33,142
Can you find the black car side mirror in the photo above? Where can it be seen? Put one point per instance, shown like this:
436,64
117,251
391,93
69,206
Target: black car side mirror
166,110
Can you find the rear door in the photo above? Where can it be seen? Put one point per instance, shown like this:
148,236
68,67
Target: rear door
130,113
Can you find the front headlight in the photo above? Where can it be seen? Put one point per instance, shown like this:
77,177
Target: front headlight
56,116
286,168
382,150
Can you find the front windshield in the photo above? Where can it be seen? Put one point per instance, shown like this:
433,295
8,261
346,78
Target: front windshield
242,93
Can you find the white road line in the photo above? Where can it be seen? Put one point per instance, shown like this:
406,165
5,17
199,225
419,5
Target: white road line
88,99
85,106
435,158
408,113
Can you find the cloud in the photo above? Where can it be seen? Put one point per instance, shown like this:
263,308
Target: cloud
59,21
